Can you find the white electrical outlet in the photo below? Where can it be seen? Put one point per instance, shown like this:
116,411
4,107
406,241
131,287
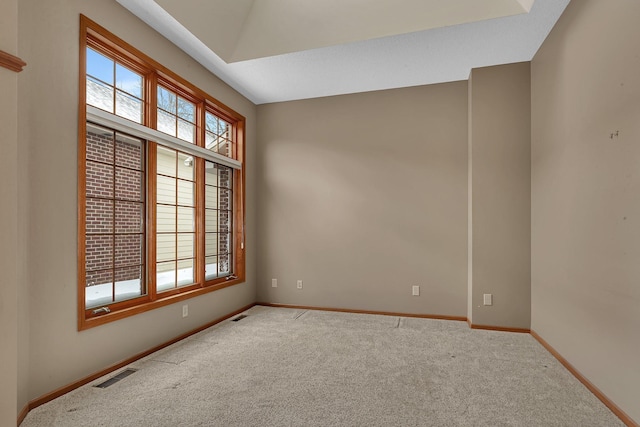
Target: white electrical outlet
299,284
274,283
185,310
415,290
488,299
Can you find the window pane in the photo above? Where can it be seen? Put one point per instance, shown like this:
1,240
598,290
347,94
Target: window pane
185,193
185,245
166,190
99,95
166,123
128,250
186,131
211,268
99,252
128,81
165,247
185,166
166,161
224,221
210,142
211,244
211,175
186,110
99,145
211,122
166,100
224,129
225,176
166,219
99,216
211,197
185,272
218,135
210,220
165,276
129,217
224,147
128,107
99,180
186,219
224,243
99,66
129,152
128,184
224,265
128,283
99,288
224,198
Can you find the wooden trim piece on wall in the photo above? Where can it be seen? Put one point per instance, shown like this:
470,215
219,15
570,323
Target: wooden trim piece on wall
11,62
69,387
588,384
383,313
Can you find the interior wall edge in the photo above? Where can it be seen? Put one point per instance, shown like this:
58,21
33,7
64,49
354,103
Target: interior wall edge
585,381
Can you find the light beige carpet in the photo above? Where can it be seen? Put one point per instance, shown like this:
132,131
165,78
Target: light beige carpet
286,367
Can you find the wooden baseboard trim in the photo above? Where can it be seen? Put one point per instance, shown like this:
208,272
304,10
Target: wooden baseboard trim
588,384
11,62
499,328
69,387
66,389
23,413
347,310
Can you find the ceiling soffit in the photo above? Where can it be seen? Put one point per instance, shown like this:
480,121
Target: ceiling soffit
410,58
238,30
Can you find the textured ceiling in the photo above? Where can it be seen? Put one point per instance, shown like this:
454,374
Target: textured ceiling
279,50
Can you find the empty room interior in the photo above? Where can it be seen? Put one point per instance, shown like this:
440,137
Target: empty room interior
320,213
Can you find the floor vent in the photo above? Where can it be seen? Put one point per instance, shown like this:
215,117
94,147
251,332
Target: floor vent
122,375
242,316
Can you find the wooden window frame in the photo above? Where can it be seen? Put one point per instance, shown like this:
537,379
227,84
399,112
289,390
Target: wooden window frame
98,38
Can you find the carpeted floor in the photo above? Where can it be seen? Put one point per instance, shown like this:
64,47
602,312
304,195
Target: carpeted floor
286,367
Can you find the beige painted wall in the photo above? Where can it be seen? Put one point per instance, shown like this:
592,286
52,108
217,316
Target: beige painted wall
362,196
500,189
9,219
586,194
58,353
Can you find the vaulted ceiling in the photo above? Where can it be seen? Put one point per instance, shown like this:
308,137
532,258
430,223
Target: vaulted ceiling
279,50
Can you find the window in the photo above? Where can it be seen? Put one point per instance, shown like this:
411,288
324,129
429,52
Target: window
175,219
114,217
176,115
218,135
113,87
161,210
218,220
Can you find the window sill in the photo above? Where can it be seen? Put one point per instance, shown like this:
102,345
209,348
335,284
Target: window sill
88,323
